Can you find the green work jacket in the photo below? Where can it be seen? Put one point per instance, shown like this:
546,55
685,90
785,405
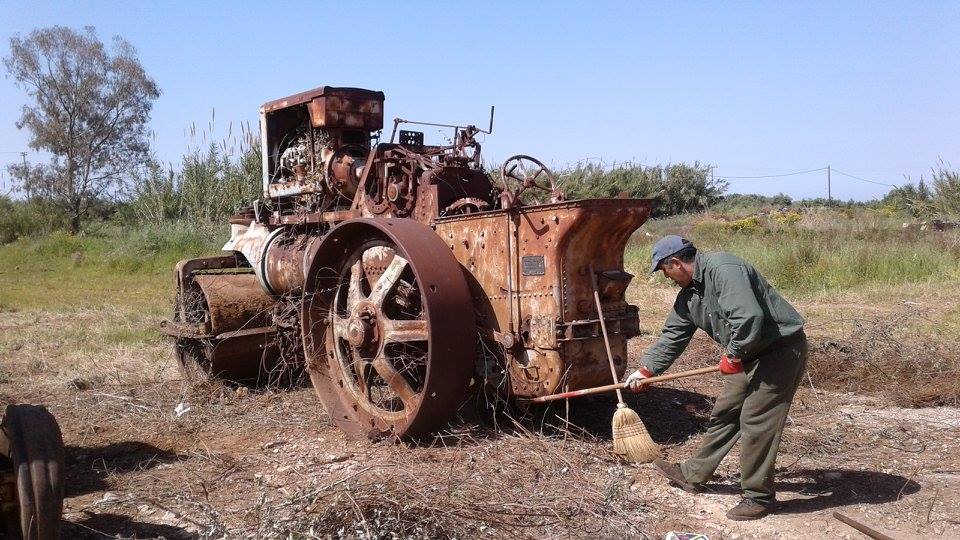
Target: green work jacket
731,302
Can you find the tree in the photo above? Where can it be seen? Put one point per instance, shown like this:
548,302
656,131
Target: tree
89,110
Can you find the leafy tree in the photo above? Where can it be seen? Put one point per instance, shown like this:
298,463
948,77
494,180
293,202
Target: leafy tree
88,109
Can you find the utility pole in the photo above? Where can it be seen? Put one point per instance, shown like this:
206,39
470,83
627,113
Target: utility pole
829,194
26,178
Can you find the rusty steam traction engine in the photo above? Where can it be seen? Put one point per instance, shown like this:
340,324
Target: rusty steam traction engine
402,275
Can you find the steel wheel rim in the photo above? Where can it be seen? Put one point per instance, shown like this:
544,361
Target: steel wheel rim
362,330
447,313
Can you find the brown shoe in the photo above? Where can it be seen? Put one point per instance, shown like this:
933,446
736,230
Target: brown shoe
673,473
749,509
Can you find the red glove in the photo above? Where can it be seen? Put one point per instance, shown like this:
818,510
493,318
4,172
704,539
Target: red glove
730,365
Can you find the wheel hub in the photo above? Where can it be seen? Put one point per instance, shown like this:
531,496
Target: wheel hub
362,328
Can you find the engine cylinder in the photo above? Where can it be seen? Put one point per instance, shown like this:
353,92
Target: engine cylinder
282,263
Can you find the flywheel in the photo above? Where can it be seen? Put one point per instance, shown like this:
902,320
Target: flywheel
389,329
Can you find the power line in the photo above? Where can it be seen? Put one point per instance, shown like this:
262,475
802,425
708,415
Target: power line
770,175
862,179
795,173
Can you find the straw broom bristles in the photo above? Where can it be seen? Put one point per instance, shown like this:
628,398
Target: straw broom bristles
630,438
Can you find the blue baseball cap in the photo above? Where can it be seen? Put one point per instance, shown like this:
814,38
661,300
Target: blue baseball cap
665,247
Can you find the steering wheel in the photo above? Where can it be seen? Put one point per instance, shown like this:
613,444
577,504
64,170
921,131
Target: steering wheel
520,173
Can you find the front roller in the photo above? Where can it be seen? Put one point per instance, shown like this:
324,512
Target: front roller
389,329
31,494
223,330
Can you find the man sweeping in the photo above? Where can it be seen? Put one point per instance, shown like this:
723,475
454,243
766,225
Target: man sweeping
765,355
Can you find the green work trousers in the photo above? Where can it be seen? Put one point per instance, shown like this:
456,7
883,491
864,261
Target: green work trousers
752,409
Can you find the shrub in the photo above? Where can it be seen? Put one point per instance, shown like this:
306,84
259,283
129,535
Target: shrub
743,204
209,186
211,182
787,218
28,218
749,224
676,188
910,198
152,246
824,251
939,198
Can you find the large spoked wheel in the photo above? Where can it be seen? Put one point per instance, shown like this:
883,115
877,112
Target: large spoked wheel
521,173
389,329
32,446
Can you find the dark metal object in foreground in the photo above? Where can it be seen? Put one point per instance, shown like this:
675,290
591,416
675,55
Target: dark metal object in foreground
31,474
417,276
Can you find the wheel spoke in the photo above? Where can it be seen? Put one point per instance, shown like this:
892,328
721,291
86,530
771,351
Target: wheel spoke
387,280
404,331
355,293
394,379
340,325
359,375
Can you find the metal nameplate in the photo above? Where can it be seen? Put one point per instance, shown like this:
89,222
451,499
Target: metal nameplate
533,265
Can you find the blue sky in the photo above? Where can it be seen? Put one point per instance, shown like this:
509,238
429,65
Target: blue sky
752,88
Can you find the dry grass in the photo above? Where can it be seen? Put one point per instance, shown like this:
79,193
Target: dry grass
884,356
515,484
260,463
85,347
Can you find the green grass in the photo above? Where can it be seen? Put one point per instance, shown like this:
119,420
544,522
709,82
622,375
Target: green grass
108,266
822,253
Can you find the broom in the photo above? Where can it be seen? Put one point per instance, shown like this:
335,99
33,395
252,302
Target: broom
630,438
620,386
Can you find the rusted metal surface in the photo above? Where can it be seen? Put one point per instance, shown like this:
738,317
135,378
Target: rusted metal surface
223,327
283,264
555,321
248,355
234,301
315,217
316,142
276,255
185,269
336,102
388,330
343,212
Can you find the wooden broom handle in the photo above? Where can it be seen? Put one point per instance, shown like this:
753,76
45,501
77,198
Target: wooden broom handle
603,329
621,386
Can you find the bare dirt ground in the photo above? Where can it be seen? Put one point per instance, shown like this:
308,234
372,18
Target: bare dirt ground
245,463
